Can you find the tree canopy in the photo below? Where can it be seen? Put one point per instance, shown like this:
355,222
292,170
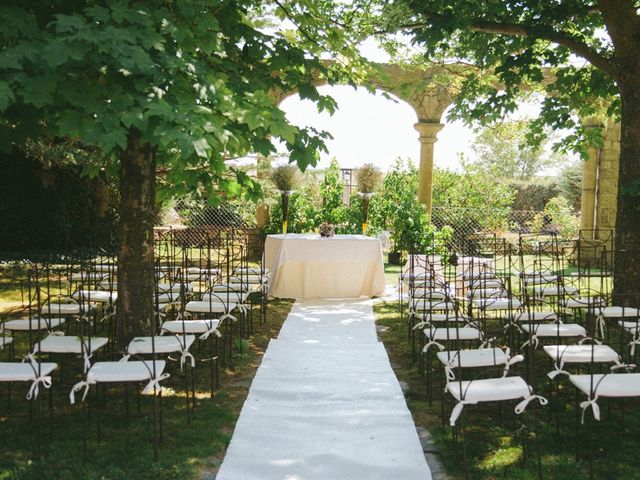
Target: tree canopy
583,55
502,150
193,78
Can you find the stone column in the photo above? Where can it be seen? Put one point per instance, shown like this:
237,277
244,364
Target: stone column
428,136
589,183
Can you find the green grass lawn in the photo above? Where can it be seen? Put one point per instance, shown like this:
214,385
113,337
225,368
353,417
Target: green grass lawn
493,451
126,449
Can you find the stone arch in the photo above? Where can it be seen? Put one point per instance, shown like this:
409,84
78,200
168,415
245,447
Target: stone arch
429,91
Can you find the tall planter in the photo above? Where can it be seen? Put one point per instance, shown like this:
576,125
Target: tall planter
366,198
284,198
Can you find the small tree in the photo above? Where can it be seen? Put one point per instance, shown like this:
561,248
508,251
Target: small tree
557,217
502,150
332,208
571,184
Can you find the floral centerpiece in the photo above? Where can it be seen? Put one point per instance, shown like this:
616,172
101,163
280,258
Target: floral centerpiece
326,230
286,178
368,178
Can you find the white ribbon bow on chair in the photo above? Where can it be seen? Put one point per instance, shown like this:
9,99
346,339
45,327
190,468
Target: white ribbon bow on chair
45,380
154,384
432,342
457,410
520,407
594,406
76,388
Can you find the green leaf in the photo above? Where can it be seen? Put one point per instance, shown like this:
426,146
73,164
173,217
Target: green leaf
202,148
6,96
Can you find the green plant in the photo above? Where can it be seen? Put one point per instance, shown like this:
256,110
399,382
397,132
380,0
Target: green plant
409,230
368,177
332,207
286,177
557,217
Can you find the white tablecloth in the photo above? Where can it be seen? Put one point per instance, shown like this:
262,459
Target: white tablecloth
309,266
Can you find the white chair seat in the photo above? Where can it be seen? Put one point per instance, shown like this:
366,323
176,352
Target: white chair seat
554,291
424,305
105,268
496,303
69,344
581,302
608,385
416,275
121,372
95,296
251,270
620,312
477,293
34,324
538,278
489,389
485,283
554,329
582,353
174,287
535,317
198,306
5,341
631,327
192,326
444,317
209,271
462,333
88,276
62,309
25,371
225,297
252,279
168,297
480,357
235,287
132,371
428,294
160,344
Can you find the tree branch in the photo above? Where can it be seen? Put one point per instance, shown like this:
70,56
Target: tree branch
518,30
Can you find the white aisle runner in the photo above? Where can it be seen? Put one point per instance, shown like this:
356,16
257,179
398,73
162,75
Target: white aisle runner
325,404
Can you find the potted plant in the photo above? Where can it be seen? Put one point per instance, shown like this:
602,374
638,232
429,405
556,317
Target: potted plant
368,178
286,178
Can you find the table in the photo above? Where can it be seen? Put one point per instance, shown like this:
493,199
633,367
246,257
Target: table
309,266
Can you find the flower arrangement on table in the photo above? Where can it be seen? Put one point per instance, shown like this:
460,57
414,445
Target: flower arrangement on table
326,230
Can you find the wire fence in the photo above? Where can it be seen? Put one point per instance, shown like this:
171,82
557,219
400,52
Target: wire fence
471,225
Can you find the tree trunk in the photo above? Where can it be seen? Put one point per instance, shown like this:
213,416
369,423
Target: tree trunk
627,254
135,312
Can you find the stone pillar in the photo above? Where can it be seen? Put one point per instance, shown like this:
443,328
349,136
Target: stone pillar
428,136
607,205
589,183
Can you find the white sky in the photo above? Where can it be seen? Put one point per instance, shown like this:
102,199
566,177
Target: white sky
370,128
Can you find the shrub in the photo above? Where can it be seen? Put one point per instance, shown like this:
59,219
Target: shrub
534,195
396,209
557,217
